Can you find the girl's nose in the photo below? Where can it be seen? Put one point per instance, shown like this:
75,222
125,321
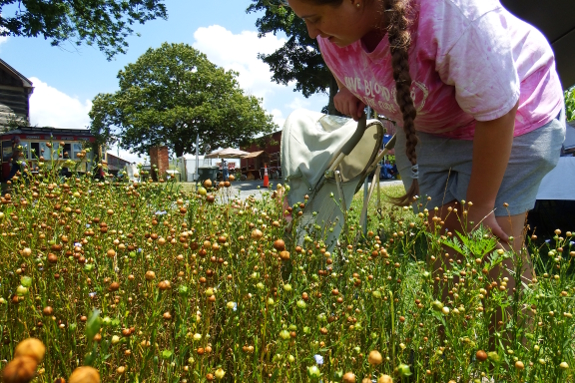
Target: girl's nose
312,31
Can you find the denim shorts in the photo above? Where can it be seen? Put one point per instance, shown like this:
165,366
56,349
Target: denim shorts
445,167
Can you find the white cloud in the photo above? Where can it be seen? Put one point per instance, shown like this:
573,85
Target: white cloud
278,116
51,107
3,39
239,52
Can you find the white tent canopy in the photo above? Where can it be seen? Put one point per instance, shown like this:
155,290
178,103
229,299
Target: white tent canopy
227,153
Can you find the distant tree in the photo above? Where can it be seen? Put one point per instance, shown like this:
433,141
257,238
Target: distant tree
105,23
299,59
170,95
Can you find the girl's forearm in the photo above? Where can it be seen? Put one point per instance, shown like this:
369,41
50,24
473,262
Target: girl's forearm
491,151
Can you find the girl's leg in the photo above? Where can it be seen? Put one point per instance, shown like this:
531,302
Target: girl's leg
513,226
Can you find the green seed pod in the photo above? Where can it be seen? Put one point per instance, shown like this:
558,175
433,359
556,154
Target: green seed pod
26,281
314,372
437,305
21,291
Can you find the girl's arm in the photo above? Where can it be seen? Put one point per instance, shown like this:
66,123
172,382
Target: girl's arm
491,151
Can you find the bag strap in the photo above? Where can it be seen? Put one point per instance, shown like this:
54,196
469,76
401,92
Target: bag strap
375,182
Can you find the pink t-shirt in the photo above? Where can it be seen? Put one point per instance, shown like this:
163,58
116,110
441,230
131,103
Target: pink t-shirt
469,60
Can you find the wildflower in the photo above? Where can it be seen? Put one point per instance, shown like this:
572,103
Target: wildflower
318,359
92,294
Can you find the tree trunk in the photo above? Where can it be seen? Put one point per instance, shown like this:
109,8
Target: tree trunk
179,150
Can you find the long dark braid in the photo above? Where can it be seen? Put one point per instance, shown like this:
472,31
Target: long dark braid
399,42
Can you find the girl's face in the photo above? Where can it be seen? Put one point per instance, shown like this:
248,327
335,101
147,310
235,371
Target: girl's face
342,24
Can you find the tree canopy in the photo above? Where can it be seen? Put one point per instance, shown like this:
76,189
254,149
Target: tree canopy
105,23
170,95
299,59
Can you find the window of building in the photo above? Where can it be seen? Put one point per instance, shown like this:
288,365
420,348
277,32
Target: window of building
34,150
6,151
66,151
76,148
49,153
25,147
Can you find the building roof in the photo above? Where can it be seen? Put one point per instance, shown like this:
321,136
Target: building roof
25,82
48,130
117,158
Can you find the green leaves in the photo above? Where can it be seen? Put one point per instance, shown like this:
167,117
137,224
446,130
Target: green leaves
105,23
570,104
93,325
299,59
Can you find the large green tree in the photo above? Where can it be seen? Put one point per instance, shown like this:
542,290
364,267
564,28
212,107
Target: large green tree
170,95
105,23
299,59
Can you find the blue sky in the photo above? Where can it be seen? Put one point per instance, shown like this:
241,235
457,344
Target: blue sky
67,78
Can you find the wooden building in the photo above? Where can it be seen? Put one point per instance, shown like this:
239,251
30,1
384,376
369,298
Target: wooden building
44,144
265,151
115,163
15,91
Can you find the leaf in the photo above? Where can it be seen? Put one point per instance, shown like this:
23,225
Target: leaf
93,324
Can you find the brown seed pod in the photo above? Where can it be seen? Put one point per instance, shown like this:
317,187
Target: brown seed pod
114,286
85,374
279,245
47,311
257,234
164,285
31,347
20,370
150,275
349,377
385,379
374,358
481,355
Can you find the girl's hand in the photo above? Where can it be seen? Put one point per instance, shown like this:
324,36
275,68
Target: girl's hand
346,103
486,216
